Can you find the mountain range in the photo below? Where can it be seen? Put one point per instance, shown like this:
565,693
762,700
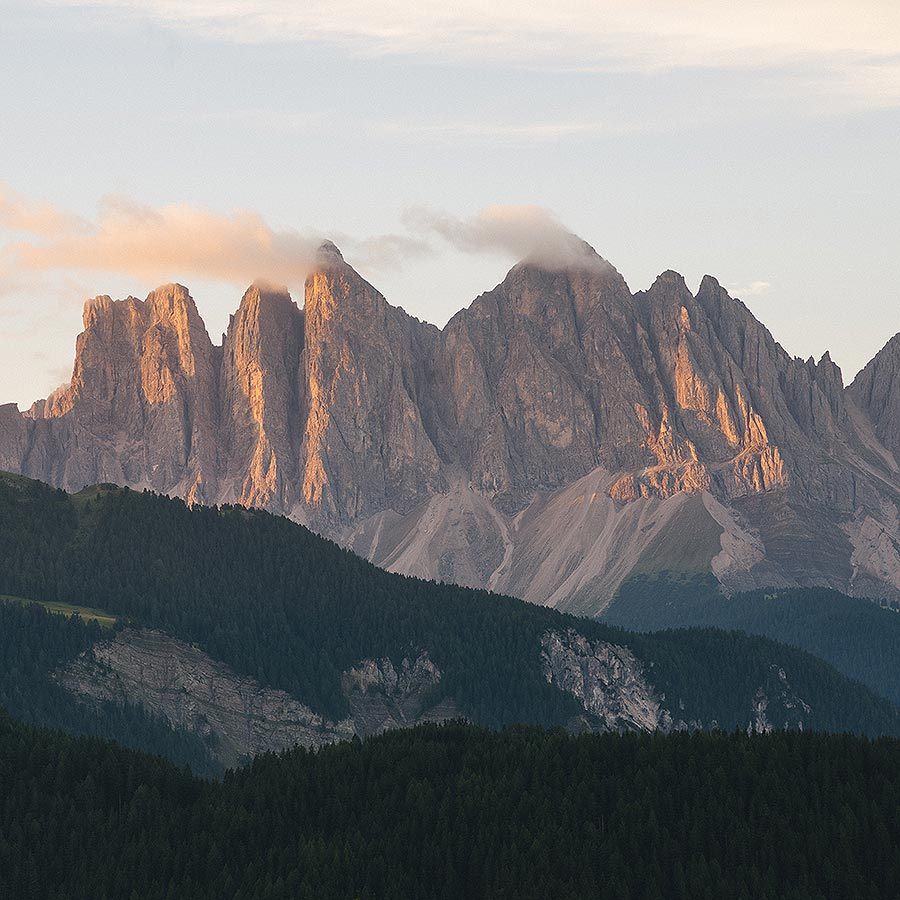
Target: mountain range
556,438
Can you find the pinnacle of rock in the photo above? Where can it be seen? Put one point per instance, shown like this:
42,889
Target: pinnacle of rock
876,389
328,254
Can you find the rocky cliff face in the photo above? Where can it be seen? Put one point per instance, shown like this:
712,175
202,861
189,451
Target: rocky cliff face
612,686
262,403
606,679
876,391
236,716
239,718
365,445
556,436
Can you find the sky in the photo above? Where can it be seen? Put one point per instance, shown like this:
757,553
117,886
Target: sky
214,142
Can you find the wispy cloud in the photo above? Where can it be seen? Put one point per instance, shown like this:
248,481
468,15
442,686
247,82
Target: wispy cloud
516,231
181,241
855,43
174,241
20,214
753,289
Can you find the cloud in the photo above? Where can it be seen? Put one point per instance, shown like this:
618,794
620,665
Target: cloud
172,240
182,241
850,39
177,241
385,251
520,231
753,289
19,214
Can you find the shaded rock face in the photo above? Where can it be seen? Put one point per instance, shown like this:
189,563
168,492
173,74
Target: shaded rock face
542,443
365,445
237,716
612,686
778,700
380,697
876,390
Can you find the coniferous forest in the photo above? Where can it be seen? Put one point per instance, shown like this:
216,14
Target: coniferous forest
292,610
858,637
450,811
458,811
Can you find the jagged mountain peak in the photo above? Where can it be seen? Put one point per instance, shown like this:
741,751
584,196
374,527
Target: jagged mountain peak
328,254
173,303
170,290
265,298
261,287
888,355
876,389
562,254
163,302
709,283
375,428
670,276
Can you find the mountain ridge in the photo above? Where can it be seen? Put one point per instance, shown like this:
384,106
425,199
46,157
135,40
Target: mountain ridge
465,453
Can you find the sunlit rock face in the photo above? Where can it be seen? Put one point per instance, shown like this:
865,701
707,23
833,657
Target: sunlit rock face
366,366
261,397
141,406
543,443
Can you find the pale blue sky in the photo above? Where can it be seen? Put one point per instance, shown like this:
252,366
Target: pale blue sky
760,146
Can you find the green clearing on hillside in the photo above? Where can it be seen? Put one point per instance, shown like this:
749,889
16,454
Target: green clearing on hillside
88,613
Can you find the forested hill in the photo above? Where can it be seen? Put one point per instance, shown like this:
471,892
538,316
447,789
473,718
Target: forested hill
859,637
294,611
457,811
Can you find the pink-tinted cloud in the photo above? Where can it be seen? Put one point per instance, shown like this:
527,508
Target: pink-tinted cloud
18,214
177,241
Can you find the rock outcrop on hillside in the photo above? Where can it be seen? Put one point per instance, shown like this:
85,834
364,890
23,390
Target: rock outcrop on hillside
558,435
235,715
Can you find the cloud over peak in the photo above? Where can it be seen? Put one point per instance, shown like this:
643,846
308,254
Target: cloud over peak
523,232
180,241
176,241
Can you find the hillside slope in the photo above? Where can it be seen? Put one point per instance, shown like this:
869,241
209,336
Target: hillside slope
858,637
250,630
456,811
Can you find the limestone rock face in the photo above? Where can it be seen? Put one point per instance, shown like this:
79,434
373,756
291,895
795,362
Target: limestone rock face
877,391
528,403
606,679
140,408
557,436
236,715
365,443
614,690
262,400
